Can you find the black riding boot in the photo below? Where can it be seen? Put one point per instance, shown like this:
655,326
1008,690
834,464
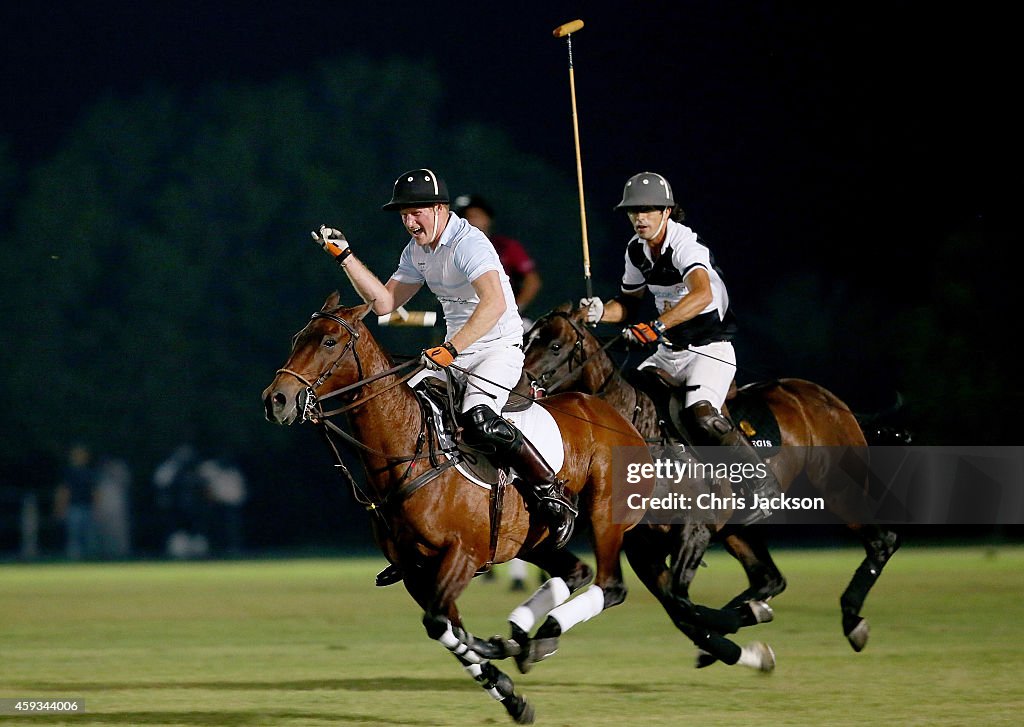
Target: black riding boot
516,451
759,489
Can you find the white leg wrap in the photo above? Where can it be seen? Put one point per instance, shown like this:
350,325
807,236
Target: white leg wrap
553,593
582,608
474,670
451,642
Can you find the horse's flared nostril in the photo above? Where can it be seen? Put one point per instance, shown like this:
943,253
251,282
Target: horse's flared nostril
278,399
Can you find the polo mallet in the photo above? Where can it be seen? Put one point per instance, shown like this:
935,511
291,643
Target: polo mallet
565,31
403,317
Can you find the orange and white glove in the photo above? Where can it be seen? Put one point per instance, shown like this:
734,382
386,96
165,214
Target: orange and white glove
645,334
333,243
439,357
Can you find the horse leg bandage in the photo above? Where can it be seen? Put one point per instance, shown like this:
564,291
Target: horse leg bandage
552,594
458,641
582,608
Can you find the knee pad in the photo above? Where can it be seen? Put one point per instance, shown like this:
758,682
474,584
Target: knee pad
710,420
483,425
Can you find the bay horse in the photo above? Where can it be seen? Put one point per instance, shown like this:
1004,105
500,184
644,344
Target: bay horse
815,426
436,524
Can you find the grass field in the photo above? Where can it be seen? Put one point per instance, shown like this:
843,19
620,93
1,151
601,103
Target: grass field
312,642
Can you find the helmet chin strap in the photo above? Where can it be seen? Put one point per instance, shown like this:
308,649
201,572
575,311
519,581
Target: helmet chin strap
437,235
664,219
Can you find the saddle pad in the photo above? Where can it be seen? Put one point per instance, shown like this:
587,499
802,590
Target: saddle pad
536,424
751,415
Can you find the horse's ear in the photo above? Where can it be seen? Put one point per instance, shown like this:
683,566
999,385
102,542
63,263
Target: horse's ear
366,310
566,307
332,302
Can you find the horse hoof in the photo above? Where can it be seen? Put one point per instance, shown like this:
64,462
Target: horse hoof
526,714
765,656
504,647
858,636
763,613
704,659
539,650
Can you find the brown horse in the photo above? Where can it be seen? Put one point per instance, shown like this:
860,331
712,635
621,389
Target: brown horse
437,524
816,428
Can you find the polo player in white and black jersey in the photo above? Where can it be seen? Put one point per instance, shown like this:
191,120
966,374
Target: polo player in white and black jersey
484,335
693,332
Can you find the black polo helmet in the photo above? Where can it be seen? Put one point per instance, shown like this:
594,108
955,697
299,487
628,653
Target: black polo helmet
417,188
646,189
464,201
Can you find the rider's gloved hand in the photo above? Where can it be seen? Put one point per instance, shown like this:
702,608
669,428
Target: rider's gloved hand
333,242
594,308
645,334
439,357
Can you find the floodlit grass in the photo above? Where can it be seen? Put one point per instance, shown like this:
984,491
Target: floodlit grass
312,642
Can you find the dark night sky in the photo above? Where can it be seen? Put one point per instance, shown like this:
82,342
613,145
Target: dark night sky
848,139
794,134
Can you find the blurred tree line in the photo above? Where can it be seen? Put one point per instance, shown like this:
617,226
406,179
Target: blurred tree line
160,260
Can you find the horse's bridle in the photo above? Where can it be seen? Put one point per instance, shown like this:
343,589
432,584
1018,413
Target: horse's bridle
311,388
312,411
311,406
575,356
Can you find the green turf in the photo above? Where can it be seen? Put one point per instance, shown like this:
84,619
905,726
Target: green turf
312,642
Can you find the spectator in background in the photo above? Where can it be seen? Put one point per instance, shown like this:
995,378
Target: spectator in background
519,266
225,488
181,497
114,480
522,274
74,500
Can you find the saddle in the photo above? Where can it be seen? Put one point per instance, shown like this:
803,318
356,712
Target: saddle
744,407
443,403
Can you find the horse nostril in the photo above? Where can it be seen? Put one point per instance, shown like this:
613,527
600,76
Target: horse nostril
278,399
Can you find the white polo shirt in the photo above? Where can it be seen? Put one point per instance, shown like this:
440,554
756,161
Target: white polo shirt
462,255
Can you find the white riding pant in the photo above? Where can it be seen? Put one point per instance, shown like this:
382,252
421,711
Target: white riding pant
711,368
495,371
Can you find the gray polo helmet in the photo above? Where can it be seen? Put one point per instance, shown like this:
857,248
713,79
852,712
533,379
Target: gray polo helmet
417,188
646,189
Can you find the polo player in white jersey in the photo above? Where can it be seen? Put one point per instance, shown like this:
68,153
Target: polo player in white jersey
484,334
692,335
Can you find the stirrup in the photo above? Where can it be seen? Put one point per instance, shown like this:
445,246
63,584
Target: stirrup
389,576
753,515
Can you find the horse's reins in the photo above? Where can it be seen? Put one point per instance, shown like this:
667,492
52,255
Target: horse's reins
584,361
577,354
313,411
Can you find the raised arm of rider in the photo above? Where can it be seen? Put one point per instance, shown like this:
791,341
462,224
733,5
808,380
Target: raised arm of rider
487,313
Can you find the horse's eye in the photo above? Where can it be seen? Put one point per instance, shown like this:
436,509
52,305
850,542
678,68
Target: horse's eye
330,343
555,346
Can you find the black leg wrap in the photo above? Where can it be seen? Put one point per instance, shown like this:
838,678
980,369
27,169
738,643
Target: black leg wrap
722,621
880,548
715,644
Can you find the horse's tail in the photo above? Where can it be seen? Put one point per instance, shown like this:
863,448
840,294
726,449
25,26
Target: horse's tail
878,432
